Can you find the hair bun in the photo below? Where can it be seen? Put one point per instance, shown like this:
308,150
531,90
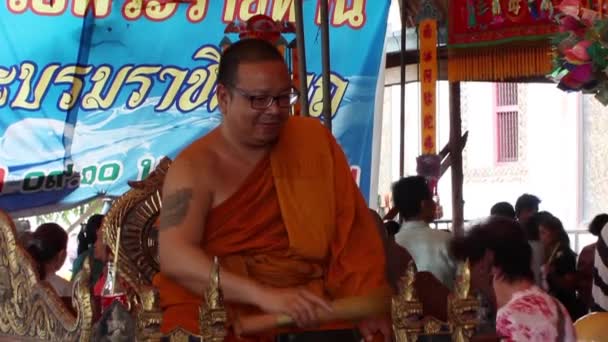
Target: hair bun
35,249
35,243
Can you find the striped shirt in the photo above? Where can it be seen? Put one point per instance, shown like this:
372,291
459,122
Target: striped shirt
599,290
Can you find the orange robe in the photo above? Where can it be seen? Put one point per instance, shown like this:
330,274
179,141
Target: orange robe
297,220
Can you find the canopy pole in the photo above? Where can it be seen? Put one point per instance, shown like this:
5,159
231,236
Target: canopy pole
456,156
325,64
301,46
402,92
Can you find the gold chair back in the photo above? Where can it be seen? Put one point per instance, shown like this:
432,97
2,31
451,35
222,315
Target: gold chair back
31,310
133,216
129,230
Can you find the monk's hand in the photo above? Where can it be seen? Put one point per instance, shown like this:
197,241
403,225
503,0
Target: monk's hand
372,326
301,305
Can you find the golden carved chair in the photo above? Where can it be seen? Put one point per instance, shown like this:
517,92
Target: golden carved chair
409,322
29,308
130,231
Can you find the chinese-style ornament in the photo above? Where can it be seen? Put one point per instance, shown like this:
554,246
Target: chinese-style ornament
427,35
428,163
264,27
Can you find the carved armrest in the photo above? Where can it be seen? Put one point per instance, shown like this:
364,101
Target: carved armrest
409,323
149,315
463,307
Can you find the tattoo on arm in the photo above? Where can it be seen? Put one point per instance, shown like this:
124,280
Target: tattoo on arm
175,207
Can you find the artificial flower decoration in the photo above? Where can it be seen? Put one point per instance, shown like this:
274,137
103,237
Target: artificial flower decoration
580,50
573,25
577,54
570,8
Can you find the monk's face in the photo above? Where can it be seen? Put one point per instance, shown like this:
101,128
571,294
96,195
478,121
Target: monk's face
258,104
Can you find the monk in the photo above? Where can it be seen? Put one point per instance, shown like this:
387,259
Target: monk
271,196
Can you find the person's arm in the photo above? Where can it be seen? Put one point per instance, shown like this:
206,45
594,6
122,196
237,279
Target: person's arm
186,203
563,275
187,200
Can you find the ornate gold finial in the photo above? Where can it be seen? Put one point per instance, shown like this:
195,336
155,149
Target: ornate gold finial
406,310
407,283
463,280
462,307
149,316
212,312
214,295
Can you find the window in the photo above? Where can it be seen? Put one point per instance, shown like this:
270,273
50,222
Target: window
507,122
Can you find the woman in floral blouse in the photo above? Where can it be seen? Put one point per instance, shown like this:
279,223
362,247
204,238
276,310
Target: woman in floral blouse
499,248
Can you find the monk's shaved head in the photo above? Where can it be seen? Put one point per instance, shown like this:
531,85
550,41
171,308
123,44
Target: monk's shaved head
245,51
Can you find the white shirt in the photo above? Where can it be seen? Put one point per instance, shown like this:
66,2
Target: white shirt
537,262
429,248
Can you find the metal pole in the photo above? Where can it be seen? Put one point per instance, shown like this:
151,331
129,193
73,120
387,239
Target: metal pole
402,99
456,155
301,46
325,63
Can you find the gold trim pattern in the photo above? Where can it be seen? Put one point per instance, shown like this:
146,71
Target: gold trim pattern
136,212
432,326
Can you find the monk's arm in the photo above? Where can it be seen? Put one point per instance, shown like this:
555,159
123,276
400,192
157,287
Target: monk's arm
186,202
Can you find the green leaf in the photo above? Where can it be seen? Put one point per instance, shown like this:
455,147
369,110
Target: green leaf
599,56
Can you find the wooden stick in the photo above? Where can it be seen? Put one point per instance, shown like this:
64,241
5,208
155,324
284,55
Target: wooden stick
346,309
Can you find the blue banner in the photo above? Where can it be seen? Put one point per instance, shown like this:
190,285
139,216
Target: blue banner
94,93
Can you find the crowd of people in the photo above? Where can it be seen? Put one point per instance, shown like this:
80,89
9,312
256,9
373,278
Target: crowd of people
531,283
48,245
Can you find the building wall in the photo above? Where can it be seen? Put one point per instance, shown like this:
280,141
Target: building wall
595,152
550,162
549,159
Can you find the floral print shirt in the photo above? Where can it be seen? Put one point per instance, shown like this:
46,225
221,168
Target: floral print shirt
533,315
